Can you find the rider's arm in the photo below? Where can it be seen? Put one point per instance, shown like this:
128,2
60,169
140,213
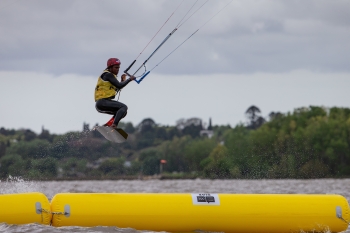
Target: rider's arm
110,78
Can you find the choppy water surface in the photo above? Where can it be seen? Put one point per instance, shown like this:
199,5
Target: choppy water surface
50,188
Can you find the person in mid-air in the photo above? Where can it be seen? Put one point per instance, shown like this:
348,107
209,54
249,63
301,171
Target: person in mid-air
107,88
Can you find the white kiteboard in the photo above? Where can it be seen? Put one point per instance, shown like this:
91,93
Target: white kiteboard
118,135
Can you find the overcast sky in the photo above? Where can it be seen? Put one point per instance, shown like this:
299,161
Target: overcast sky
278,55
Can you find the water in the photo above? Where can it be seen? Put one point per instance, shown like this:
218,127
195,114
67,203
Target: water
50,188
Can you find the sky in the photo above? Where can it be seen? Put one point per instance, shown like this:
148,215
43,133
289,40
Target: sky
276,55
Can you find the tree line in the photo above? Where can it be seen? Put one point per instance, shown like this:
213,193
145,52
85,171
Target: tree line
310,142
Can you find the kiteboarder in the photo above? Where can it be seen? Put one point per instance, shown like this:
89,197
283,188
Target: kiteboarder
107,88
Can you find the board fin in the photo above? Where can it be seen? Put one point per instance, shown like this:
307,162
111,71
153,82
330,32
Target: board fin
123,133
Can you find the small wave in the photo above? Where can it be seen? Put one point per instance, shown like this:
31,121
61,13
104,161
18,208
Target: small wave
37,228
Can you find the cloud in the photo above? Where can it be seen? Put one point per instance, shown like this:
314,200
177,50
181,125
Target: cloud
247,37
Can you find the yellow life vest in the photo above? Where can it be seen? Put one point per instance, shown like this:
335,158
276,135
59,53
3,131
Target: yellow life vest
105,89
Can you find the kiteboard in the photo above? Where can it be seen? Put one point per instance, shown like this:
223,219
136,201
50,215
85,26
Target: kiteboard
114,135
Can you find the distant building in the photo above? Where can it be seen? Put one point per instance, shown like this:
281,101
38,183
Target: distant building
86,127
207,132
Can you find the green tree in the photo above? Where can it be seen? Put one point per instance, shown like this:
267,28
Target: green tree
254,118
72,166
150,159
36,148
45,135
314,169
12,164
29,135
173,152
146,133
239,146
218,164
197,150
113,167
43,168
3,145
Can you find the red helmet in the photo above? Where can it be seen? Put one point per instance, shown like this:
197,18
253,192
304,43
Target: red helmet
113,61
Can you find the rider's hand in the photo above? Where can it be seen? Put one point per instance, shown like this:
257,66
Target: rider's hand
132,77
123,77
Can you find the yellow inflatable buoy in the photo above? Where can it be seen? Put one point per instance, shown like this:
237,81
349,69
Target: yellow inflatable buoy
24,208
202,211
